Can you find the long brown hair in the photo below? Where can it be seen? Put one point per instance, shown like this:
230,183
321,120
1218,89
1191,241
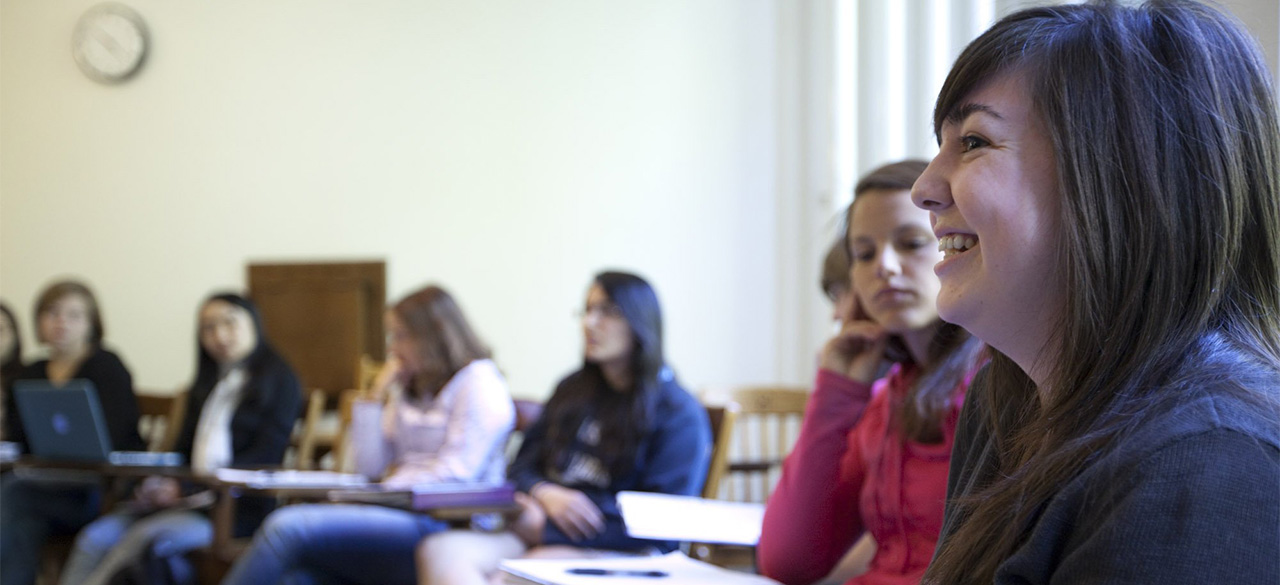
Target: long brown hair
952,353
1167,149
445,341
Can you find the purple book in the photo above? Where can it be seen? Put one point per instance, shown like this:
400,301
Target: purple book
434,496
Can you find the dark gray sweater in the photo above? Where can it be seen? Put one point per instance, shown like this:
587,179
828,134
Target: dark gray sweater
1193,496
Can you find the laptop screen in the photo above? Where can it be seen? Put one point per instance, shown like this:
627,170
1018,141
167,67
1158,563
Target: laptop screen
63,423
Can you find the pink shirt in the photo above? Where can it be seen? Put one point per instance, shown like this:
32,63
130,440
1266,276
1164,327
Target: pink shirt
848,473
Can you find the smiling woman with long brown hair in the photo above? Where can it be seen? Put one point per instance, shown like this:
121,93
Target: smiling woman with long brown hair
1108,193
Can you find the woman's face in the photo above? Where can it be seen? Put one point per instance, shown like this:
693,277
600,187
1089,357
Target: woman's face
993,193
227,332
893,254
65,325
401,344
606,335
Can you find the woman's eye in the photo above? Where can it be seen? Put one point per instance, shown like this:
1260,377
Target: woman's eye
863,255
916,243
970,142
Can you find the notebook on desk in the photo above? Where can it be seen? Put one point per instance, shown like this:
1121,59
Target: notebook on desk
671,569
65,423
434,496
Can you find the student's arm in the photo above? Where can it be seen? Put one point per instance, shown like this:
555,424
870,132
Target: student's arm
481,417
811,519
678,455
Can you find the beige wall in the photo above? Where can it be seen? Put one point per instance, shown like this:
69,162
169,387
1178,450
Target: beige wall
507,149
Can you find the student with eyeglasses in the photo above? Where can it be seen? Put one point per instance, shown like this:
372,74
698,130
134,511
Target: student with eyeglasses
621,422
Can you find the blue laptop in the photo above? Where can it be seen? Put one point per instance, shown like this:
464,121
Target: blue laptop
65,423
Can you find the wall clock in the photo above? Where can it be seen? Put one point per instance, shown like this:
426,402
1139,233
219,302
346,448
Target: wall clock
110,42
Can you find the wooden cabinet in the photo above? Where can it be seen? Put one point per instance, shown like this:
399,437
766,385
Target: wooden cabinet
322,317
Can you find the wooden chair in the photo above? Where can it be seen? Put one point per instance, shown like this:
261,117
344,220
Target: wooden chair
366,372
723,419
767,426
160,418
760,432
324,424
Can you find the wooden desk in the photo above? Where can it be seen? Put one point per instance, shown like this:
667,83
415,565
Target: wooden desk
112,477
227,549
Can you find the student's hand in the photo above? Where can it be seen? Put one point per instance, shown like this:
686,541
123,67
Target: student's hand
531,522
571,510
392,373
856,352
158,492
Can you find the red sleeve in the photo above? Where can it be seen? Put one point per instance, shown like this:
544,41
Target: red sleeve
811,519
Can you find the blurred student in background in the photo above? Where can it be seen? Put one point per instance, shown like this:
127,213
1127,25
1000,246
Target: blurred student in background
441,412
241,409
69,324
10,363
621,422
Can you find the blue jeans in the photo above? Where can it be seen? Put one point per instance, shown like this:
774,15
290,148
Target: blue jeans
118,540
334,543
32,511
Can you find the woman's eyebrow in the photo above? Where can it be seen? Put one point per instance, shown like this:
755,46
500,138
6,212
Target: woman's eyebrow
962,112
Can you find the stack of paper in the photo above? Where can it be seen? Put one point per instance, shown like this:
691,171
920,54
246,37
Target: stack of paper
671,569
690,518
290,478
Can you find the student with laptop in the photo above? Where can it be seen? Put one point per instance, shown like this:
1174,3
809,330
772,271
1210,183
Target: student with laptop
69,324
240,411
441,413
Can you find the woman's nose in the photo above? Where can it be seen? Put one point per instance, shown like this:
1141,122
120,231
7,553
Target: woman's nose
932,191
887,263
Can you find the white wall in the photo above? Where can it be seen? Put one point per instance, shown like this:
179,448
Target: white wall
507,149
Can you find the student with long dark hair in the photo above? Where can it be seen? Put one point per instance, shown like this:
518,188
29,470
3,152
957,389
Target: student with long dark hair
1108,195
240,411
872,452
621,422
69,324
442,413
10,363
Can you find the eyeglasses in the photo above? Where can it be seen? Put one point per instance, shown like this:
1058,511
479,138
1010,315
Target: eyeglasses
609,310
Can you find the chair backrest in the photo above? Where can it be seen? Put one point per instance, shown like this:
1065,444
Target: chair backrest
366,372
160,418
767,425
312,437
722,419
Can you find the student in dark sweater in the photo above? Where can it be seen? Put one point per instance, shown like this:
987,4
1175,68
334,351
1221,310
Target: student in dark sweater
1107,194
69,324
241,409
622,422
10,364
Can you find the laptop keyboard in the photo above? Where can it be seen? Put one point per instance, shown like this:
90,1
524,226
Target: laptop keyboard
145,458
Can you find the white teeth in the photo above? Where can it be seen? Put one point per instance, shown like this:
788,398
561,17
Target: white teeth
956,243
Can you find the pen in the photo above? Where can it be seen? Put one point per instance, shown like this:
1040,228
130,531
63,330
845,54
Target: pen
617,573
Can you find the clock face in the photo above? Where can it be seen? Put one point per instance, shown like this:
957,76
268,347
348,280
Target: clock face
109,42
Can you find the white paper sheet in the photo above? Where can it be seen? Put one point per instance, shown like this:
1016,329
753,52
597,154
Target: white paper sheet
690,519
674,567
290,478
